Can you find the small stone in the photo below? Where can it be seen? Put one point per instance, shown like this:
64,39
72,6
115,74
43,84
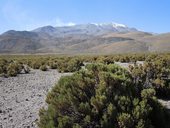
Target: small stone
17,101
39,95
10,109
11,120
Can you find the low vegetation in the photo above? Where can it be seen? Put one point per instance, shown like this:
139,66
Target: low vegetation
101,94
43,68
12,68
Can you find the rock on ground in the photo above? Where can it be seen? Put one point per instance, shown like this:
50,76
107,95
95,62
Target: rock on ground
21,97
165,103
126,65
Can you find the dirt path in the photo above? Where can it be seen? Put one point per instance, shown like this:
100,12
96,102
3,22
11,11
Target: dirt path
22,96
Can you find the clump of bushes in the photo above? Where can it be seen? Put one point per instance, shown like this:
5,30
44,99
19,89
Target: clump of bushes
14,68
69,65
155,74
10,68
43,68
35,65
102,96
3,66
53,65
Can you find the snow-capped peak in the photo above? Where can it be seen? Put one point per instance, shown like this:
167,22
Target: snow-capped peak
115,25
119,25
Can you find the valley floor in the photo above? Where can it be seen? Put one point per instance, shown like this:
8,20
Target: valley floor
21,97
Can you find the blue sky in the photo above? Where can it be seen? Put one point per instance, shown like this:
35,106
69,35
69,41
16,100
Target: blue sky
146,15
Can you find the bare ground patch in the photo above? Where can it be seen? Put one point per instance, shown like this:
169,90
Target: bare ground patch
21,97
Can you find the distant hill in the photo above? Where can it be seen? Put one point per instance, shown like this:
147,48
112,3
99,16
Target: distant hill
84,38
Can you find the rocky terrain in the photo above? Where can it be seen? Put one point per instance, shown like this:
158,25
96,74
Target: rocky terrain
21,97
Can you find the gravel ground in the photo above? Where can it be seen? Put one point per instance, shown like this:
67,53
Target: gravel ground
21,97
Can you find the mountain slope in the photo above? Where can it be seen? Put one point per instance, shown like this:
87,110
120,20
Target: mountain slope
159,43
83,38
22,42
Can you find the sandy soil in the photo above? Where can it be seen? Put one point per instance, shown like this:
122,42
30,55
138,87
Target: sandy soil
21,97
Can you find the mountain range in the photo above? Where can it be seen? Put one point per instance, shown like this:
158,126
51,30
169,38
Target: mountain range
92,38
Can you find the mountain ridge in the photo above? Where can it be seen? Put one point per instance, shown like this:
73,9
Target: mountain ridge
106,38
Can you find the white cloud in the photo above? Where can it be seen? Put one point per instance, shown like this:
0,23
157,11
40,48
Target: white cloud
59,22
71,24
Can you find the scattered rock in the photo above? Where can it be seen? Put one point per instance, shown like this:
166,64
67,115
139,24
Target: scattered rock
39,95
14,111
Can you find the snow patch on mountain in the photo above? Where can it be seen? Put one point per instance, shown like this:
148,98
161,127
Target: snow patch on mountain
115,25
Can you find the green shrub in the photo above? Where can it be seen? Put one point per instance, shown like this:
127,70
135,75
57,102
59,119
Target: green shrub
100,97
148,93
53,65
14,68
11,72
43,68
35,65
153,74
125,121
69,65
3,66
